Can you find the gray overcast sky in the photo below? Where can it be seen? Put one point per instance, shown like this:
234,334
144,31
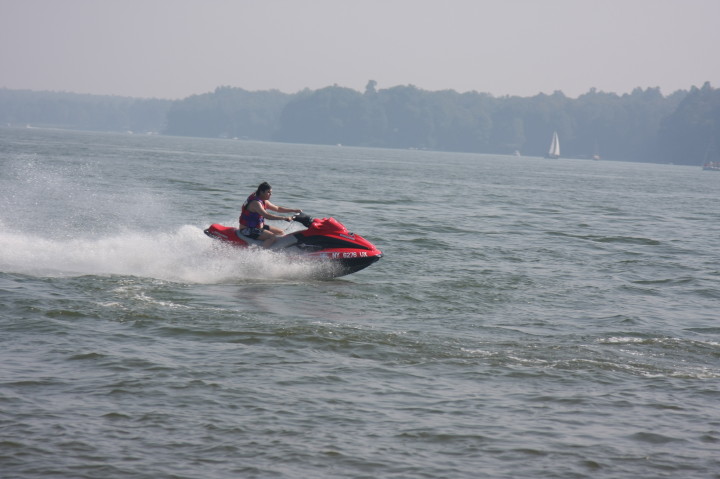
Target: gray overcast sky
176,48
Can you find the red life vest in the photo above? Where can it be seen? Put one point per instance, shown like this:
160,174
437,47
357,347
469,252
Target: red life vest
250,219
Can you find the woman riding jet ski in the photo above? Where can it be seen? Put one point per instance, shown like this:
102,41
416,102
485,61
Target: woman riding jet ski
325,239
256,209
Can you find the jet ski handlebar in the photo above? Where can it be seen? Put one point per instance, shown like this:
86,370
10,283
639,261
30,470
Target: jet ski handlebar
303,219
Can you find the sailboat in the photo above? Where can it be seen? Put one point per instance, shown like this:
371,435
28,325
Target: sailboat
554,151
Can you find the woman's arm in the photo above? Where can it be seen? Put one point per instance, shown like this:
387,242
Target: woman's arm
257,207
281,209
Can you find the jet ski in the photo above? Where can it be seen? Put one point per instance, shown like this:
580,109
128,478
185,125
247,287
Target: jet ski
324,238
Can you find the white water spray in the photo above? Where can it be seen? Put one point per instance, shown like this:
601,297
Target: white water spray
184,255
64,220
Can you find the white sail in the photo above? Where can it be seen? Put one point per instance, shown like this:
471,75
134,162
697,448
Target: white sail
554,151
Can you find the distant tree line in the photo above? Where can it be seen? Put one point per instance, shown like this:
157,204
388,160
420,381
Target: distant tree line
682,128
82,112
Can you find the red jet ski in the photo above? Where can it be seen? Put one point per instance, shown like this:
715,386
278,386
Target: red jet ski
326,239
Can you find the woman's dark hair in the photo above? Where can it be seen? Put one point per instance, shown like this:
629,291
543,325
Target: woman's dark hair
264,186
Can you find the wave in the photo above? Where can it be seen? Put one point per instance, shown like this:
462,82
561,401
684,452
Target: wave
609,239
184,255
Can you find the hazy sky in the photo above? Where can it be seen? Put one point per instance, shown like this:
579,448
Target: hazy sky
176,48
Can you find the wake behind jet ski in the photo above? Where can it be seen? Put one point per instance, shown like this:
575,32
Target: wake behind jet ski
325,239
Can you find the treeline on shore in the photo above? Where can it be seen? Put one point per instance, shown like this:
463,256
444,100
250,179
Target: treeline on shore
681,128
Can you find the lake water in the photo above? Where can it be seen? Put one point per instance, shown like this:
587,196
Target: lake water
531,318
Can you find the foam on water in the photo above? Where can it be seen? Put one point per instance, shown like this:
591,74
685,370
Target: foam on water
64,219
183,255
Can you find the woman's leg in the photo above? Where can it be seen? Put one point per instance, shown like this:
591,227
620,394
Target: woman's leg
275,230
268,238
